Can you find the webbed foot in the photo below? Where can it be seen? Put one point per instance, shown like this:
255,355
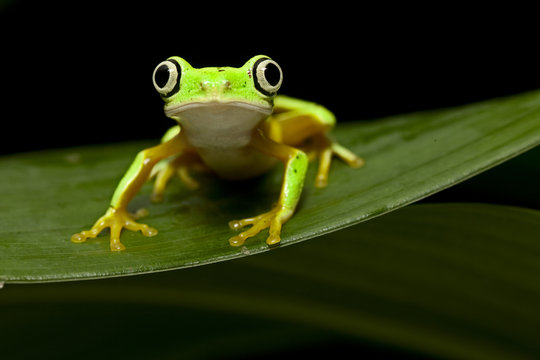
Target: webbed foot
274,219
116,220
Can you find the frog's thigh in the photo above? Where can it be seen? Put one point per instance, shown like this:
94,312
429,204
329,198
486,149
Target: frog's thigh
295,120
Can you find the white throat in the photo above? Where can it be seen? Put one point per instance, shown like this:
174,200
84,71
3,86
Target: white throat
223,125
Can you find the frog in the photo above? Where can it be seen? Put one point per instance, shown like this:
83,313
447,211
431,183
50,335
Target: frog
232,122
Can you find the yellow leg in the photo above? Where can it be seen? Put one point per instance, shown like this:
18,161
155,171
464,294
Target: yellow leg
326,149
320,147
295,121
186,178
162,179
347,156
117,217
295,162
179,166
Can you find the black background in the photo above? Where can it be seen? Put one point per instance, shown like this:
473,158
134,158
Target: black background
76,73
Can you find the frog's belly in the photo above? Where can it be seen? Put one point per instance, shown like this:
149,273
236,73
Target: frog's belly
236,163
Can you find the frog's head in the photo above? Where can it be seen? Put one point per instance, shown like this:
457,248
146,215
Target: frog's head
189,91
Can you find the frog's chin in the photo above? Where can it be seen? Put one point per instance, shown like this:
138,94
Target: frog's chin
218,124
217,107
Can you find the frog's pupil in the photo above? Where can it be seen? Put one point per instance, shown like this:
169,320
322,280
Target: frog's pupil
162,76
272,74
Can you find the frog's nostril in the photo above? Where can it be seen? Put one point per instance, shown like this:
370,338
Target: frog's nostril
226,84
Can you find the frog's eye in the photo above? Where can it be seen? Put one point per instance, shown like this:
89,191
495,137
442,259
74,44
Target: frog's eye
267,76
167,77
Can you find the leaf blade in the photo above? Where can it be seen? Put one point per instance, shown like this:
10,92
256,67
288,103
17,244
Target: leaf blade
408,157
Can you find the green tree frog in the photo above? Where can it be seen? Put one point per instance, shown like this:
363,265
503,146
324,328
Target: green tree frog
230,121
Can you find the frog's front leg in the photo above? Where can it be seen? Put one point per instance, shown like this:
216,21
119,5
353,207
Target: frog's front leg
117,217
295,162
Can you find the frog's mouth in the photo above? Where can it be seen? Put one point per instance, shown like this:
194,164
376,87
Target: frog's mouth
218,107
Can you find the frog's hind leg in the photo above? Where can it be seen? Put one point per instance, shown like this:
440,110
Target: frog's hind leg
305,124
180,165
324,149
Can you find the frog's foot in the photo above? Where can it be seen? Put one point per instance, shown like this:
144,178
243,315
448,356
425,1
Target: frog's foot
116,220
325,149
165,173
274,219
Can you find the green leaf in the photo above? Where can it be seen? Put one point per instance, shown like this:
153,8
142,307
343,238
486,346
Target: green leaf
47,196
443,280
513,183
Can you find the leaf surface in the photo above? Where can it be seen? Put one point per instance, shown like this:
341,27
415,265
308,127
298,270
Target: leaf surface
49,195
